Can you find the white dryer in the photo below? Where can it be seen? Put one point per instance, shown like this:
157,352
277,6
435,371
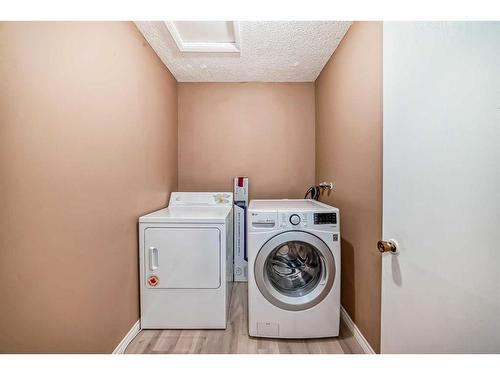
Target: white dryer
294,269
186,259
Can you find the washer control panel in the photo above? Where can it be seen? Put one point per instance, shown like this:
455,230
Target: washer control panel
305,220
293,220
325,218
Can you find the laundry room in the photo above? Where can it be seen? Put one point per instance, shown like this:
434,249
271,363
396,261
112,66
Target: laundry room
247,187
265,121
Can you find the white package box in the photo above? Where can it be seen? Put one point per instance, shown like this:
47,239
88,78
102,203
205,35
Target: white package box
240,229
240,258
241,190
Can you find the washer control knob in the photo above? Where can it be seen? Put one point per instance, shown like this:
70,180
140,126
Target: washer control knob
295,219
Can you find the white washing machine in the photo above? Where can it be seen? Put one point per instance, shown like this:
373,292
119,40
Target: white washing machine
186,260
294,269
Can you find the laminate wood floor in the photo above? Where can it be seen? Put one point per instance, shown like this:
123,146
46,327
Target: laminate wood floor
233,340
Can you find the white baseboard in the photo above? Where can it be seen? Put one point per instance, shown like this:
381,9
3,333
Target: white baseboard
356,333
136,328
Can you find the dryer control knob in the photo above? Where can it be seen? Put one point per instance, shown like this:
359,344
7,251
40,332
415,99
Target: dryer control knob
295,219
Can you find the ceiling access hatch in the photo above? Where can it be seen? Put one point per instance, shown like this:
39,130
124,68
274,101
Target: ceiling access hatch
205,36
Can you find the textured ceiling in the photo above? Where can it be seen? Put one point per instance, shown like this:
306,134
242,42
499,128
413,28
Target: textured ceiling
271,51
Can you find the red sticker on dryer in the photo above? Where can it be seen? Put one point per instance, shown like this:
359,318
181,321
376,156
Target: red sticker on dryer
153,280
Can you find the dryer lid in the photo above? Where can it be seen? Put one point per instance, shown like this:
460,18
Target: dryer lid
212,215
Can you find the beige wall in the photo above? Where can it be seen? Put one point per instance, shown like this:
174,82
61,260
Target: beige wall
349,152
262,130
88,142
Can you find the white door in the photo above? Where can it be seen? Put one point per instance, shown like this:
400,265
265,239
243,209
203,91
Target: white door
183,257
441,293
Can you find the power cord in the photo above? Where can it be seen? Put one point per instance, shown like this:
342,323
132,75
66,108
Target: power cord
315,191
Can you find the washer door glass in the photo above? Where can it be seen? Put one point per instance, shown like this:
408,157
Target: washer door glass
294,268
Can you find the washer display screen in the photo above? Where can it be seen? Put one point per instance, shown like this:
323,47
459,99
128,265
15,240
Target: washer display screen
294,268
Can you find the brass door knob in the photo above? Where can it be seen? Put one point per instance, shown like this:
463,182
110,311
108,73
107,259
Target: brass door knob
390,246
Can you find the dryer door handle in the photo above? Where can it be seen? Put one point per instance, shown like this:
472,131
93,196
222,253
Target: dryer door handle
153,258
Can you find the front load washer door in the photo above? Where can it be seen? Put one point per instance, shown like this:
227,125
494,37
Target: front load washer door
294,270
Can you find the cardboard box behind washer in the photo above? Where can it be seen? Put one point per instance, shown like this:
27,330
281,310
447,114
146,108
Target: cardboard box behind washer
240,229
